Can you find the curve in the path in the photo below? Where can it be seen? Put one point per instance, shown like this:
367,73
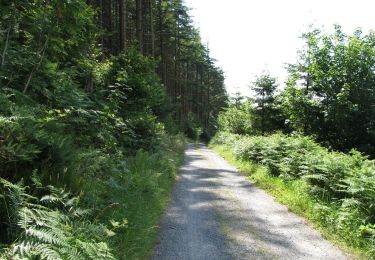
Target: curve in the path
216,213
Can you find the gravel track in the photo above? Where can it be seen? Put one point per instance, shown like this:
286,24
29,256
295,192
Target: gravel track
216,213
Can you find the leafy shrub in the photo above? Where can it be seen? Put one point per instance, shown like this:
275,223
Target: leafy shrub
79,139
131,81
225,138
82,124
193,128
137,191
237,120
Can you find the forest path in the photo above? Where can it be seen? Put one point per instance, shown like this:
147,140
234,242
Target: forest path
216,213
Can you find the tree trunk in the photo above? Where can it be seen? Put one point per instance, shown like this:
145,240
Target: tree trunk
122,24
107,25
139,25
208,99
161,43
152,33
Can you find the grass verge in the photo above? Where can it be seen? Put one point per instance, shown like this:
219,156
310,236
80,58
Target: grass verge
292,194
143,199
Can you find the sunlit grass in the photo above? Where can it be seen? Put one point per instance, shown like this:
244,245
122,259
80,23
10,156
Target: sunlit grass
152,178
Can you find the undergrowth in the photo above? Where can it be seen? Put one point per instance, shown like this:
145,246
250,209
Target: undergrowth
117,221
51,226
142,198
333,190
106,148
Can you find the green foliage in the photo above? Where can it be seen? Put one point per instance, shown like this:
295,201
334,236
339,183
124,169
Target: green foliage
260,115
131,82
330,90
267,116
92,124
295,195
237,119
38,41
49,227
264,115
343,184
31,140
72,120
193,128
137,190
135,98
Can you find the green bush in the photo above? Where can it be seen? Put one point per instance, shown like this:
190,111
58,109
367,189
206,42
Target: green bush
93,144
137,191
237,119
84,123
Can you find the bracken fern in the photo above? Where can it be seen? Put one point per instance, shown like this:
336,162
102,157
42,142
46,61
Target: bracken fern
50,227
342,184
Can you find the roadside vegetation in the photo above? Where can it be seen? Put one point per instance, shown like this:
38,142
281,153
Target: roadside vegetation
92,127
311,144
97,98
334,191
119,203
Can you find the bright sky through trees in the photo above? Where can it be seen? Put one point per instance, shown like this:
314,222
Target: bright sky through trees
249,36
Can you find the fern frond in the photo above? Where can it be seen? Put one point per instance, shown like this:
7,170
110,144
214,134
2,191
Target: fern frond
99,251
71,253
50,232
46,236
47,252
318,177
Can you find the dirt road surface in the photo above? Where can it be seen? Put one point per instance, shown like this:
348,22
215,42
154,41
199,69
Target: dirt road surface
216,213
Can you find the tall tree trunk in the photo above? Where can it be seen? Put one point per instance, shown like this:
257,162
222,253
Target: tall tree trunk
262,114
139,24
161,42
115,28
208,98
107,25
99,4
152,33
122,23
176,66
200,95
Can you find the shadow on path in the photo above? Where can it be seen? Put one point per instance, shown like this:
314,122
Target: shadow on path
216,213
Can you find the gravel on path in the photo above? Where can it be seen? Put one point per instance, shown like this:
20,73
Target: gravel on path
216,213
